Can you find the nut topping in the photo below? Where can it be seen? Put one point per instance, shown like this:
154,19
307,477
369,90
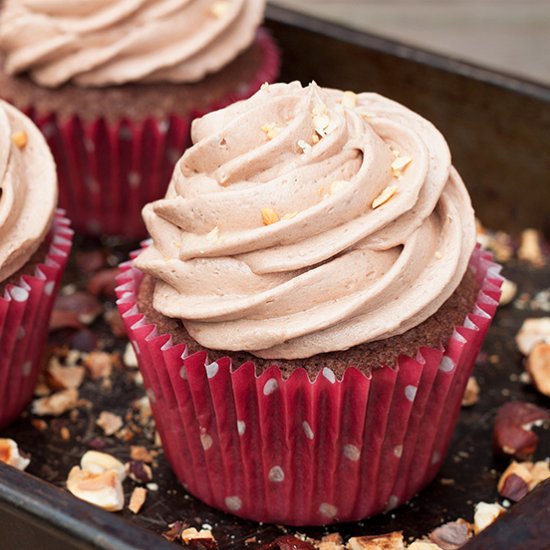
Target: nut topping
103,489
97,463
485,514
9,454
269,216
384,196
137,500
532,332
538,367
19,139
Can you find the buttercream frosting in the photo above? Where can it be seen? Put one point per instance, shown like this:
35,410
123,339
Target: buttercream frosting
308,220
28,189
107,42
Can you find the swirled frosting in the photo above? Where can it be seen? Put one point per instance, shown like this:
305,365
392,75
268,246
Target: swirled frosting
105,42
28,189
307,220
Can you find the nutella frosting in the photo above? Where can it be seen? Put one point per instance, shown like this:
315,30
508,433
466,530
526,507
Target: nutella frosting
105,42
308,220
28,189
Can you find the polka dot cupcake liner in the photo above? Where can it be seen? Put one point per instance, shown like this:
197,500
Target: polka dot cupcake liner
25,310
303,452
109,170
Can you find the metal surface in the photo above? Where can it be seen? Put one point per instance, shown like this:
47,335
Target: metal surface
498,129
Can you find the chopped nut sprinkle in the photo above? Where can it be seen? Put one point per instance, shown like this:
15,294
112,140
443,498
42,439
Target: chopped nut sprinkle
109,422
269,216
289,216
214,235
137,500
304,146
315,139
271,130
219,8
349,99
438,255
19,139
385,196
399,165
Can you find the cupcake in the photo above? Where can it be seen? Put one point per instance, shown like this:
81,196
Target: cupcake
310,307
35,241
114,86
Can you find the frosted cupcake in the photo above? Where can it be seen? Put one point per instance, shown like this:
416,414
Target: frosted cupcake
114,86
310,307
35,241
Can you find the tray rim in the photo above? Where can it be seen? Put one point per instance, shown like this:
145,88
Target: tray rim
53,509
396,48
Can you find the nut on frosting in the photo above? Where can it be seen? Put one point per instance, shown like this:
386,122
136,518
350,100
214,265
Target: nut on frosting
106,42
370,227
28,189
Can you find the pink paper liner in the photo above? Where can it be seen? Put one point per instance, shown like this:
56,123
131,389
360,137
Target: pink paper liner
25,311
109,170
299,452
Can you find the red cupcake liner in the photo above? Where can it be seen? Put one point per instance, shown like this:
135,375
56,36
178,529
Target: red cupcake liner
300,452
109,170
25,310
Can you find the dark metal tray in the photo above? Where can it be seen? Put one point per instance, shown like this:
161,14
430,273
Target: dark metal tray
498,129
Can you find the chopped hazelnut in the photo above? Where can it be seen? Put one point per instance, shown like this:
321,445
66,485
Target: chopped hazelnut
514,482
56,404
384,196
99,364
485,514
137,500
538,367
269,216
9,454
471,395
97,463
532,332
198,539
140,453
452,535
59,377
103,489
331,542
529,249
509,290
109,422
391,541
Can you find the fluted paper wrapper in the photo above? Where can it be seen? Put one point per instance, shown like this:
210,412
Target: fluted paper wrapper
300,452
25,310
109,170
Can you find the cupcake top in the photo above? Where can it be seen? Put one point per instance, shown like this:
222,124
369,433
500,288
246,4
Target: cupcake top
28,189
105,42
308,220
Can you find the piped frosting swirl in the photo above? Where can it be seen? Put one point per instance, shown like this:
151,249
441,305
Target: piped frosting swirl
28,189
308,220
106,42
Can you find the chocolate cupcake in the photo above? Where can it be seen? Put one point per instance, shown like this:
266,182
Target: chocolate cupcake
310,307
35,241
114,87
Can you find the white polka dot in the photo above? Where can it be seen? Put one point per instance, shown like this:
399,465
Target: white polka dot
328,510
19,294
233,503
447,364
398,451
436,457
241,427
270,386
307,430
183,373
393,502
212,369
151,395
26,368
410,392
206,441
48,288
136,347
351,452
276,474
329,375
21,333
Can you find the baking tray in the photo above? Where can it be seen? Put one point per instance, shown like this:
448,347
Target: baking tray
498,128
